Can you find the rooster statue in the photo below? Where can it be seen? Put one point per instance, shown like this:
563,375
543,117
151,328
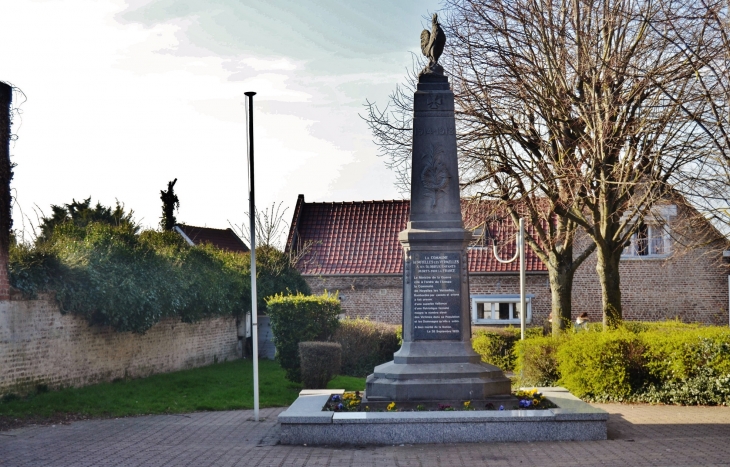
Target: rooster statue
432,45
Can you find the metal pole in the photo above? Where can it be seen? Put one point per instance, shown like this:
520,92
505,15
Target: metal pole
523,298
252,218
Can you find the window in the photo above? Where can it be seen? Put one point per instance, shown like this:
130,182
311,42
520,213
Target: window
498,309
650,240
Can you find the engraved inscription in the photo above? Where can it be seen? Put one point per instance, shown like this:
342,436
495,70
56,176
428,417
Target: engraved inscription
435,176
436,296
407,268
435,131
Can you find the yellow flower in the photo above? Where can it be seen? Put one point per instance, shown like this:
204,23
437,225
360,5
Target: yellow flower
535,402
391,406
467,404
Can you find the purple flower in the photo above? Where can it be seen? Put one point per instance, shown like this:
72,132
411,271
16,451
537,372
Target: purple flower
340,406
525,403
501,407
336,397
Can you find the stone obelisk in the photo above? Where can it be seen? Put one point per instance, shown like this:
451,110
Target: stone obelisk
436,360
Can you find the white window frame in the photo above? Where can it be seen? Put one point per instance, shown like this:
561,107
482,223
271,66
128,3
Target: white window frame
656,233
658,220
494,300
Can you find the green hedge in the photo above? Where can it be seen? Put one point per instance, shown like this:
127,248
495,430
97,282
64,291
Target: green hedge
319,363
598,365
300,318
647,362
365,344
536,363
497,345
114,277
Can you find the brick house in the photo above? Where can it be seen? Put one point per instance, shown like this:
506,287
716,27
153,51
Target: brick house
672,269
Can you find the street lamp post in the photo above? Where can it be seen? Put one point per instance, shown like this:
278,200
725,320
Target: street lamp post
521,254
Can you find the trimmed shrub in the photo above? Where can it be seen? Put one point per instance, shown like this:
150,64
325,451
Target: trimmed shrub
497,345
536,362
666,362
300,318
602,365
365,344
674,355
319,363
706,387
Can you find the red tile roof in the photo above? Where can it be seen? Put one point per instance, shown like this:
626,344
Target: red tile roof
225,239
361,237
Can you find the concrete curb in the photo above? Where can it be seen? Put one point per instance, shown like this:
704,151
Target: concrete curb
573,420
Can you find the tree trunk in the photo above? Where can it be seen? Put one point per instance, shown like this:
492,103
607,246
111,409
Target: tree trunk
6,174
561,290
607,268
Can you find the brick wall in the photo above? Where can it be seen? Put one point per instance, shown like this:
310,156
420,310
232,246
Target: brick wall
379,298
39,345
691,284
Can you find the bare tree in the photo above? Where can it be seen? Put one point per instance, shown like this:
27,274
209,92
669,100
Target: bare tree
392,127
707,50
581,102
486,155
270,227
583,111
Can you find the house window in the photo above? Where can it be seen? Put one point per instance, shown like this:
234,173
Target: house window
498,309
650,240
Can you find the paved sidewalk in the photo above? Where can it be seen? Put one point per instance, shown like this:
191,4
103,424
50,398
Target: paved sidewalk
639,436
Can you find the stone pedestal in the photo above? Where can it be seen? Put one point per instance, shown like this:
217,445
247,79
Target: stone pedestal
436,361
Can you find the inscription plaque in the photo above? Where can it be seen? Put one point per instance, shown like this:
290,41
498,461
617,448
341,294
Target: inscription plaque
436,295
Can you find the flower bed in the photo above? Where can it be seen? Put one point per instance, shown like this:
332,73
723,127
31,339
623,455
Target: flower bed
524,399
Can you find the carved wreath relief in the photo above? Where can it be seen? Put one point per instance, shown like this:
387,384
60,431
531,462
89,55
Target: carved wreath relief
435,177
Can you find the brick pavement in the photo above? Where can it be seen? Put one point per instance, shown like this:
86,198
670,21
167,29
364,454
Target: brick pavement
639,436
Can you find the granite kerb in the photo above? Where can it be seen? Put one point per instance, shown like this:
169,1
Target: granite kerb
304,422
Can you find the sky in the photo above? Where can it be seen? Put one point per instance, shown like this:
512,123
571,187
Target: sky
122,96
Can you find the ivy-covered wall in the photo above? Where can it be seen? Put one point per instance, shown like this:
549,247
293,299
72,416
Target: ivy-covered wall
39,345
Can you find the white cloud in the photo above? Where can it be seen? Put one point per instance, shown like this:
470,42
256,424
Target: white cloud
112,113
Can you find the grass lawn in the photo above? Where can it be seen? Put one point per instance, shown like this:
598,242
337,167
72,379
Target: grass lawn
222,386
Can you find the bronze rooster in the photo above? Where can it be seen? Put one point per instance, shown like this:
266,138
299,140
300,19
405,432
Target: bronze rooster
432,43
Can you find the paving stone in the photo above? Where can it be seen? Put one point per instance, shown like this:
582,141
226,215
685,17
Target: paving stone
639,435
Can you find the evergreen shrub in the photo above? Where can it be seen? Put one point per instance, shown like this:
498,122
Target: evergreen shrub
602,365
365,344
113,276
536,362
300,318
319,363
496,346
664,362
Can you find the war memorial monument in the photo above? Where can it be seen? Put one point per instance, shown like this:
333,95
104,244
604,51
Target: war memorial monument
436,361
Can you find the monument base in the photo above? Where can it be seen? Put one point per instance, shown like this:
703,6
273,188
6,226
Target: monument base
436,381
436,370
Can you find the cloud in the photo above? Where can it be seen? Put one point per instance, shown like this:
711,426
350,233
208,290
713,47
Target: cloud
124,96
